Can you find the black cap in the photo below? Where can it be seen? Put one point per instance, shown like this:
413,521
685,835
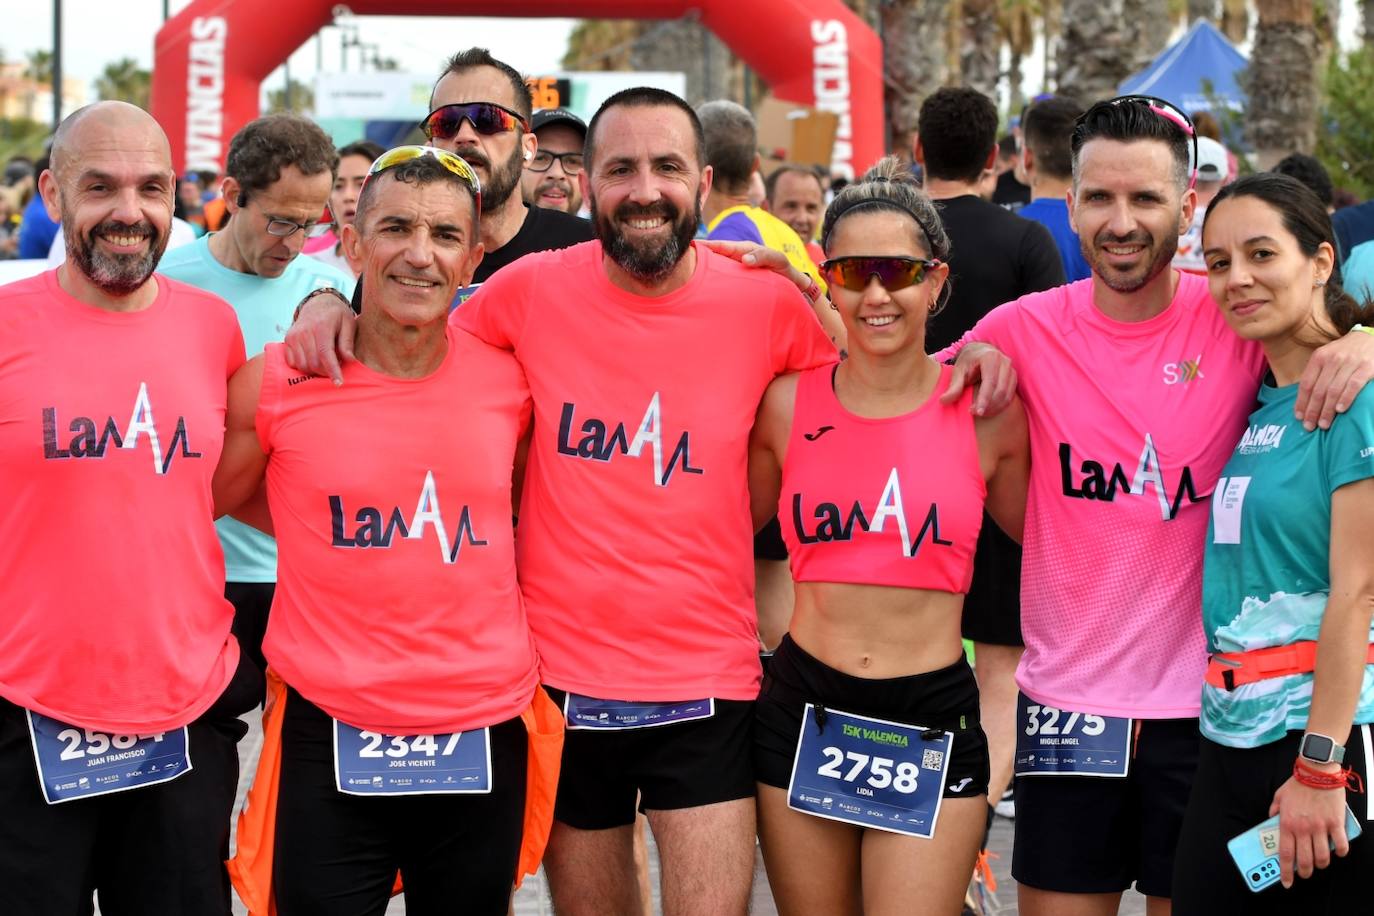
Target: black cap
546,116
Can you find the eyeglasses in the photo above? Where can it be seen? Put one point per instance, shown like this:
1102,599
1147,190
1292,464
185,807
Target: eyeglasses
543,161
893,274
285,228
488,119
1166,110
403,154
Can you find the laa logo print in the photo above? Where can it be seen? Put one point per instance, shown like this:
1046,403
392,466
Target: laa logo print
596,446
89,441
833,527
375,530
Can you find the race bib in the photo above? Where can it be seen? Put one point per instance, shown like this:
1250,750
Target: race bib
370,763
589,712
869,772
1051,742
76,763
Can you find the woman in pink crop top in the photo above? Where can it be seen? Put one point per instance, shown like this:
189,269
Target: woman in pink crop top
871,762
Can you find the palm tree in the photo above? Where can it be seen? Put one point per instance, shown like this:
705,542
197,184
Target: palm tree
40,66
1283,92
1202,9
1235,19
1016,23
1094,54
126,81
980,45
913,63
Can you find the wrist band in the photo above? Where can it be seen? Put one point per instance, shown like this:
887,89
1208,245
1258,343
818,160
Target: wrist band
311,295
1314,778
813,293
1360,327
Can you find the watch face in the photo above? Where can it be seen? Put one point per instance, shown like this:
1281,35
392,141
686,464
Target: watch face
1317,747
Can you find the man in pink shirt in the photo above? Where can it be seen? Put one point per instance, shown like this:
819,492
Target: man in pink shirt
120,682
1135,393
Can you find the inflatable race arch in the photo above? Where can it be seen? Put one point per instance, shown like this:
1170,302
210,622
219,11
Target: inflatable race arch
211,58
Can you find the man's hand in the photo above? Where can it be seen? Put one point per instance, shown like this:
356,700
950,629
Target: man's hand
1311,822
1334,375
751,255
980,362
326,324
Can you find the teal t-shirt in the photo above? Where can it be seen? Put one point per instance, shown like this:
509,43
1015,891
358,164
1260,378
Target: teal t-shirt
264,306
1266,576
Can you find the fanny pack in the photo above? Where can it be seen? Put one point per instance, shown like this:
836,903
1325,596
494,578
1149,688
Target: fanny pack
1229,670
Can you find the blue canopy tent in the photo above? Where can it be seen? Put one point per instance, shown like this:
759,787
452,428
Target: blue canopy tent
1178,73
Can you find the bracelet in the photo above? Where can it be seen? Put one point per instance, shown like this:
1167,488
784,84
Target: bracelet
1360,327
813,293
1314,778
311,295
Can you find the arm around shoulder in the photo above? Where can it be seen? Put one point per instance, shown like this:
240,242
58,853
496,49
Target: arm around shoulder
768,447
1004,449
242,461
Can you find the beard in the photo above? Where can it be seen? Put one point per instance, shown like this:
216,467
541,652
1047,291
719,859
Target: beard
116,274
647,261
501,180
1129,282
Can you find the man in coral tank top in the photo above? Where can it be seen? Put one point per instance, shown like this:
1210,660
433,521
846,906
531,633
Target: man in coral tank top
120,682
1135,392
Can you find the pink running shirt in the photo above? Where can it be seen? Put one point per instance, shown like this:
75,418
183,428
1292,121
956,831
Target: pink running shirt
397,608
1130,426
881,500
112,610
634,537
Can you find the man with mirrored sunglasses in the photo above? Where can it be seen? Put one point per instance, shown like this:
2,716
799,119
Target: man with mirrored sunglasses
550,178
278,175
480,109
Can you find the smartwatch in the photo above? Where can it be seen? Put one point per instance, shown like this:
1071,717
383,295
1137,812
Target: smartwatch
1320,749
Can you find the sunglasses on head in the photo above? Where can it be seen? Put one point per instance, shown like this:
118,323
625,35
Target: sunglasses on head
488,119
893,273
454,163
1164,109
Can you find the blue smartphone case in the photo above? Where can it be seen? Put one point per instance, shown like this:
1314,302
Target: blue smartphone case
1256,851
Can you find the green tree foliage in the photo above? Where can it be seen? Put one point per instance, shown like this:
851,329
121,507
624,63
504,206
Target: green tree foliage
1345,142
126,81
302,99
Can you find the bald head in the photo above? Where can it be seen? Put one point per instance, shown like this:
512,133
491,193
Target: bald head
107,126
110,183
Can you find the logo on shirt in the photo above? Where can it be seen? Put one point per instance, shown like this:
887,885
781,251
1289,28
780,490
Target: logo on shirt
812,437
596,445
1183,371
1260,439
833,525
92,441
373,528
1094,482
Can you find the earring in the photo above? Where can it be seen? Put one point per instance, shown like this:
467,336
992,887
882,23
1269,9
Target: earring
1319,284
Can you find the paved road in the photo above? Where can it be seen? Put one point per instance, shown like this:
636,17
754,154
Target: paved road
532,899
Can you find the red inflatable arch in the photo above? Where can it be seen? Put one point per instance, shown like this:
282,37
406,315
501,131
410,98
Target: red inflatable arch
212,56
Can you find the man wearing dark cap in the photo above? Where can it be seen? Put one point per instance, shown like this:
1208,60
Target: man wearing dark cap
550,178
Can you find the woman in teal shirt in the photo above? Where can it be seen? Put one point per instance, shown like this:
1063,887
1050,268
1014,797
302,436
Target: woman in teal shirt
1288,584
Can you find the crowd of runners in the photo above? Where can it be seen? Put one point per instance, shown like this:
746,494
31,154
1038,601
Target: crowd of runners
474,501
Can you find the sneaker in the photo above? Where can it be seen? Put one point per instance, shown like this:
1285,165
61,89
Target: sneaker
1007,806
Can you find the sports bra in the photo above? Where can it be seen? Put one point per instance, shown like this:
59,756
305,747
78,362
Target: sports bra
892,501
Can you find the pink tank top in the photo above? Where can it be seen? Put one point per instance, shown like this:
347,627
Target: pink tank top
893,501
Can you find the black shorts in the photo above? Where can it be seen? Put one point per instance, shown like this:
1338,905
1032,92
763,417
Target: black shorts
1231,794
252,602
155,849
946,699
683,765
768,542
992,608
338,854
1098,835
